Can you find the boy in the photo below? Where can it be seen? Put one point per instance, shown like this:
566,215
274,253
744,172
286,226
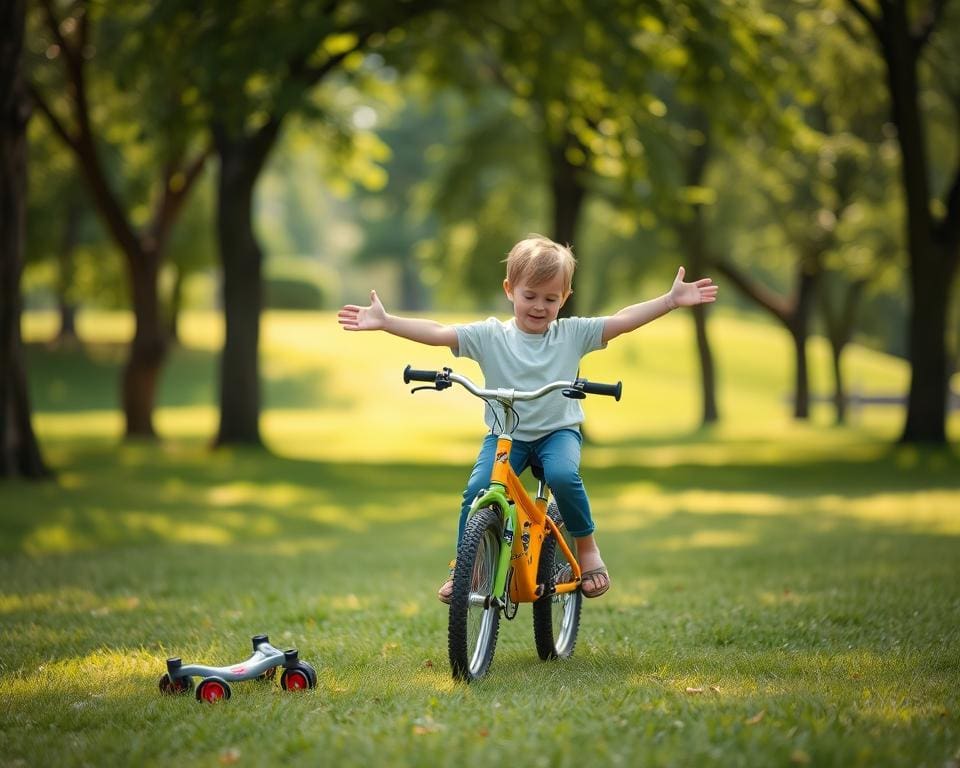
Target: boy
530,350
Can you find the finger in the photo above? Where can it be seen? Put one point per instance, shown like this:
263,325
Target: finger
680,274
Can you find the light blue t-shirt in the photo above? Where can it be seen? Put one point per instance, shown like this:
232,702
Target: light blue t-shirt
512,359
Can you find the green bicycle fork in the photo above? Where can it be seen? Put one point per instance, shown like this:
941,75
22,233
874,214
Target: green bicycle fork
497,496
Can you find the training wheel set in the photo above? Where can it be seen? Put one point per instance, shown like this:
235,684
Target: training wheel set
297,675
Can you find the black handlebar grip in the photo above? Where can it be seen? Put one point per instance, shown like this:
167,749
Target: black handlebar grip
410,374
611,390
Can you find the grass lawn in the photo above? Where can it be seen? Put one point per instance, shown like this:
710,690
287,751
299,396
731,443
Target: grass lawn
782,594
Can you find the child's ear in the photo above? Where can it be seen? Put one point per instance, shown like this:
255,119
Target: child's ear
564,299
507,289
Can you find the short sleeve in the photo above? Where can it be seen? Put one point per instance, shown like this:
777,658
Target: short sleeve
472,337
586,333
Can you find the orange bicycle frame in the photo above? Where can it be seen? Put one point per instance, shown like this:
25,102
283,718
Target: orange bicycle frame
530,525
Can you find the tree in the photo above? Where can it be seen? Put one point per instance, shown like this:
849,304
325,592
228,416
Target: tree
62,227
933,239
19,451
253,65
61,89
722,85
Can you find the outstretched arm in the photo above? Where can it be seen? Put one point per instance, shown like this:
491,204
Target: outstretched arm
375,318
681,294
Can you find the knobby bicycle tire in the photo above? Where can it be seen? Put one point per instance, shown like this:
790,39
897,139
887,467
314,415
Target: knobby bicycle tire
556,618
474,619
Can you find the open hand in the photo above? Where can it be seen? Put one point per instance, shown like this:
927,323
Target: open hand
702,291
356,318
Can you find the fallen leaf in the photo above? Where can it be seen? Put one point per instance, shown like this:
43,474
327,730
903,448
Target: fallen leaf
756,718
715,688
428,663
229,756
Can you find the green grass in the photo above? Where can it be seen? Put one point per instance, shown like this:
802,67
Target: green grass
783,594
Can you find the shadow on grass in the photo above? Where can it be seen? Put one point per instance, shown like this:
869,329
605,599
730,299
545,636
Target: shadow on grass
138,494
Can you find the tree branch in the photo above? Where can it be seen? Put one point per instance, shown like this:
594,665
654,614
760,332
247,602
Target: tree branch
83,144
770,301
174,195
55,123
868,17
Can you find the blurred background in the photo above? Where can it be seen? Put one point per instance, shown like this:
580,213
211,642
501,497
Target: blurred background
207,184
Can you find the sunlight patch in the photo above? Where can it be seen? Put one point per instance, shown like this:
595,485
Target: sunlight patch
277,495
706,540
57,538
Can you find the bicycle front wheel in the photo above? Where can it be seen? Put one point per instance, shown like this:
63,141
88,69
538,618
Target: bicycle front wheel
556,618
474,615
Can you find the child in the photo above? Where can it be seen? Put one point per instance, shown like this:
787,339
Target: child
528,351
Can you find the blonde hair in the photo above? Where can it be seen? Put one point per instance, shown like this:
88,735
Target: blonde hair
538,259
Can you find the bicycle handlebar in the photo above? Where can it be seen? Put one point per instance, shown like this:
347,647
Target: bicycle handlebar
409,374
596,388
577,389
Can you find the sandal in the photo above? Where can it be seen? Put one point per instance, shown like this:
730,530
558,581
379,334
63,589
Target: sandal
445,593
600,580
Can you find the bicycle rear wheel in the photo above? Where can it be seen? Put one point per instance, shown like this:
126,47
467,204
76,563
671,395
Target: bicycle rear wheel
474,616
556,617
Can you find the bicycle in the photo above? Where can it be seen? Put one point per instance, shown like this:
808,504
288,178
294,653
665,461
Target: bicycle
515,549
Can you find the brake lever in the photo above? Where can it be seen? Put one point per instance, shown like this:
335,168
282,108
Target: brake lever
442,382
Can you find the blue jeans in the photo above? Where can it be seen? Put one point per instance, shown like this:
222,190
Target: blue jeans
559,455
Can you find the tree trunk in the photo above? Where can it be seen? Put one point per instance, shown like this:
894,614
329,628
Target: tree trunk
799,327
930,277
840,322
693,239
147,351
710,413
568,196
19,451
241,160
67,334
176,305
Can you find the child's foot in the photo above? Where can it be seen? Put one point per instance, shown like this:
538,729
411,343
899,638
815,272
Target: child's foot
445,593
594,578
594,582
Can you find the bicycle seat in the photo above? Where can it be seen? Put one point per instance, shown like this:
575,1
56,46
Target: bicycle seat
537,470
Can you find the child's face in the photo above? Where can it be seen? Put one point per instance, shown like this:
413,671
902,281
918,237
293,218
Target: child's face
536,306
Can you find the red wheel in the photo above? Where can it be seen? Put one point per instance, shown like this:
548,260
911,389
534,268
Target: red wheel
175,685
212,690
296,679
